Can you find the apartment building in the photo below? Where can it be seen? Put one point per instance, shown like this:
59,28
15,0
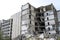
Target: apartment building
51,19
27,19
35,21
16,26
6,26
11,27
58,14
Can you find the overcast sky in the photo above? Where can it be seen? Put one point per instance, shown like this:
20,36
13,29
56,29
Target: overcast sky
10,7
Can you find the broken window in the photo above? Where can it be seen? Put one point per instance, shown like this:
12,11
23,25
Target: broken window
48,23
29,16
42,19
42,24
38,19
42,14
36,24
36,29
38,14
47,14
49,28
40,30
47,18
30,22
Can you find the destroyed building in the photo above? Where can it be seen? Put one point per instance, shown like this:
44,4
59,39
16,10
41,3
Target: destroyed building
35,21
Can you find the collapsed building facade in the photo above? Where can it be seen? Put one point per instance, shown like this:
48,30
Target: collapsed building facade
35,21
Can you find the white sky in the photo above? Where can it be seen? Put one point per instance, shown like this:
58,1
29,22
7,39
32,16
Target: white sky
10,7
